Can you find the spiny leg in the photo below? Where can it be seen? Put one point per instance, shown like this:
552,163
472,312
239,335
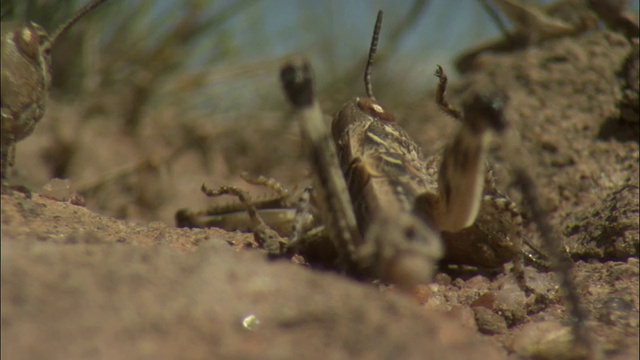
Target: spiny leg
268,182
534,256
505,205
280,213
303,226
303,208
264,235
501,202
306,232
221,215
562,264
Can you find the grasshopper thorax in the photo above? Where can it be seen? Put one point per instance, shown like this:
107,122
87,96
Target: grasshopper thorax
359,110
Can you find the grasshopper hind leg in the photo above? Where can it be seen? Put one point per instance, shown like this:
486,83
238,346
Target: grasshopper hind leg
461,176
465,209
519,163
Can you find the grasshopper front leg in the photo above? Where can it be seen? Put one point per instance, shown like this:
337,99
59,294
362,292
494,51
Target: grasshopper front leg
330,189
264,235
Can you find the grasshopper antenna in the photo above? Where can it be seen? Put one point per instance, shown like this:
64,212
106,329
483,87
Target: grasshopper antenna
372,52
82,12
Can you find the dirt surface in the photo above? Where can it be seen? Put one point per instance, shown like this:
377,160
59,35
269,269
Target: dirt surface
78,285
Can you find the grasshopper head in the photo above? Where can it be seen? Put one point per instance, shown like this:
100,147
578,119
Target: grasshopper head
406,251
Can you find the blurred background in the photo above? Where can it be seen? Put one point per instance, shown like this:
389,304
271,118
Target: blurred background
219,55
220,47
152,98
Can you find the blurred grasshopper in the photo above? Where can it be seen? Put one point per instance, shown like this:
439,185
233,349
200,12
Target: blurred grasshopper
390,212
26,78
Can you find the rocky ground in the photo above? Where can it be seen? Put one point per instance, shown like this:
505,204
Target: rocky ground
80,282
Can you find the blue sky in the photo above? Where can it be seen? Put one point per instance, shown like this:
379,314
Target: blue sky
342,29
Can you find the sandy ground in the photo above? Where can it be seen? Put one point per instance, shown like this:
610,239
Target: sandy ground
101,281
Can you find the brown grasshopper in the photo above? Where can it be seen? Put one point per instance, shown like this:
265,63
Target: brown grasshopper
26,78
392,213
389,210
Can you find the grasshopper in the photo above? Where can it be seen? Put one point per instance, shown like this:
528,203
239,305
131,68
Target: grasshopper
391,212
26,78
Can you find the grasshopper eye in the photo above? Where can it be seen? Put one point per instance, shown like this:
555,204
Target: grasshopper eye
410,233
28,40
46,52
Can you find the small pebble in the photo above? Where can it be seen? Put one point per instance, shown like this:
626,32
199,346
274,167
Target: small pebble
545,340
488,322
61,190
